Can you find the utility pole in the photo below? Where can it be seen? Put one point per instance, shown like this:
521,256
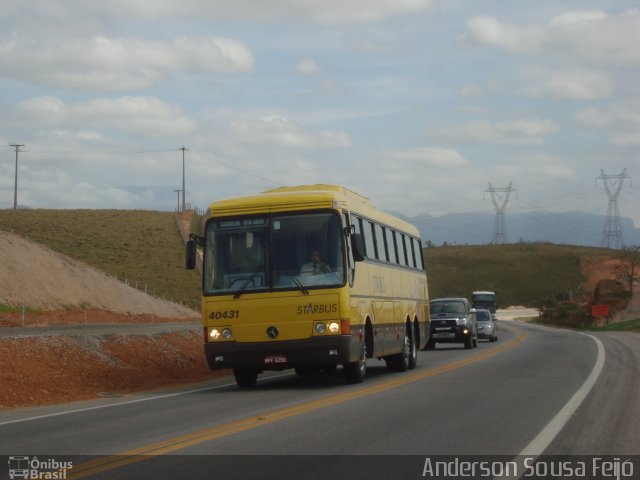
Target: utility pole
499,226
184,149
178,190
15,181
612,230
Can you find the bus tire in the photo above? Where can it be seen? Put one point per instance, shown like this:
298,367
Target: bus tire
399,362
413,356
356,371
245,378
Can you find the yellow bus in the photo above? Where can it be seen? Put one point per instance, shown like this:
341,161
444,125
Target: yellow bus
310,278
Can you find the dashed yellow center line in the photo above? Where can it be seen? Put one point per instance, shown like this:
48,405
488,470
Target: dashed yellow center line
184,441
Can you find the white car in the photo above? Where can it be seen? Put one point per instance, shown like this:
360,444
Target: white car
487,324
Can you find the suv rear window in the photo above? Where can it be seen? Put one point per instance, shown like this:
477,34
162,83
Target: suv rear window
447,307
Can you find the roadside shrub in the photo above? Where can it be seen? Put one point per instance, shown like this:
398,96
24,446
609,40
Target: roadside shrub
567,315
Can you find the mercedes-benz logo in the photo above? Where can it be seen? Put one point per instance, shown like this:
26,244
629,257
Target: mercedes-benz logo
272,332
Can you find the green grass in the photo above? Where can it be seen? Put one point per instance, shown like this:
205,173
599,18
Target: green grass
141,247
9,309
625,326
526,274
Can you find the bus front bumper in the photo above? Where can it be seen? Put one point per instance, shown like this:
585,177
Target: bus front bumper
261,356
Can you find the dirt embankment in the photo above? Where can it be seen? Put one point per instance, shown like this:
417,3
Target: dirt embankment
34,276
37,369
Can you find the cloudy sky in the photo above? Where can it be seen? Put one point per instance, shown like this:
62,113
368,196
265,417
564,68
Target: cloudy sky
418,104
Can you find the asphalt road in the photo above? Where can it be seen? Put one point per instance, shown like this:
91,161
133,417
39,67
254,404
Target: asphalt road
538,390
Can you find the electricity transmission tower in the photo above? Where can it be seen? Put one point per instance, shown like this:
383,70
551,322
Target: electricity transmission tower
612,230
500,198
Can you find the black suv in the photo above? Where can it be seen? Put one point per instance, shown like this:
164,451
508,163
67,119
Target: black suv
451,322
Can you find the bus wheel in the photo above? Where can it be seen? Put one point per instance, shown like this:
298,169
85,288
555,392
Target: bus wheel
355,371
399,362
245,378
413,354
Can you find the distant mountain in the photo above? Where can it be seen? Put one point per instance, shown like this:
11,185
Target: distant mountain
571,228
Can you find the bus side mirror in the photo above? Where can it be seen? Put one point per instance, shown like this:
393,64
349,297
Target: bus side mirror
357,247
191,254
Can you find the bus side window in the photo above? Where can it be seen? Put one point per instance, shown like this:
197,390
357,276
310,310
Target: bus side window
391,247
367,233
351,266
418,253
380,243
402,253
414,262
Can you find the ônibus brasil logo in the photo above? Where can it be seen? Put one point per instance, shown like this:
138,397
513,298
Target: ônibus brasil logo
34,468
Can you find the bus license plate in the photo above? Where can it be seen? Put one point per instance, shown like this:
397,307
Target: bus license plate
275,359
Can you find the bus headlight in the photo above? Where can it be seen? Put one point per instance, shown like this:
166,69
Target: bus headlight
334,327
320,328
217,333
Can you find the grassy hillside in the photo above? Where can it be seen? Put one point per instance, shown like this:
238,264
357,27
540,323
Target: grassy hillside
143,247
520,274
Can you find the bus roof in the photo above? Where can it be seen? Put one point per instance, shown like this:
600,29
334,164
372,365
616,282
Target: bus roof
306,197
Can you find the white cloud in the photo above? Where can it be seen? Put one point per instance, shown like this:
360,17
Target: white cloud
592,35
109,63
433,156
523,131
141,115
577,18
274,130
569,84
488,30
316,11
612,116
620,122
552,171
628,139
308,66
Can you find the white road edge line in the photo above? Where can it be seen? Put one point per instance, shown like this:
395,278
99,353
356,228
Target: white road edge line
126,402
539,444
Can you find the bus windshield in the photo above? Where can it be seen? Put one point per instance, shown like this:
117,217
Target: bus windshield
483,297
271,252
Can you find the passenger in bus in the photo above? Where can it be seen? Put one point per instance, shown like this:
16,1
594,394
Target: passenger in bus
315,266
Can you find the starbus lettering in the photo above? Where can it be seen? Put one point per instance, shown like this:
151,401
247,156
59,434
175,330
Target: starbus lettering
317,308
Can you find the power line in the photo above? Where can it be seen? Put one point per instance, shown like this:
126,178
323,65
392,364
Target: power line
15,182
93,152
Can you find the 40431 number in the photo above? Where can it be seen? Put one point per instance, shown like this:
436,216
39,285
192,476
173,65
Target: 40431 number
225,314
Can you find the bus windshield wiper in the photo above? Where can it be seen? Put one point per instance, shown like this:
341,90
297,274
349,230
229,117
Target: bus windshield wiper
297,281
246,283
